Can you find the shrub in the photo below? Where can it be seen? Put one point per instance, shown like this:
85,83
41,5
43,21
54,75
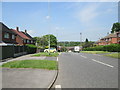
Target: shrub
31,48
109,48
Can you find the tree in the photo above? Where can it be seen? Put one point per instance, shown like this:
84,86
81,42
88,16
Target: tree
86,40
43,41
115,27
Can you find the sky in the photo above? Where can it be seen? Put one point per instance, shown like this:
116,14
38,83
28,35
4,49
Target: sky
66,20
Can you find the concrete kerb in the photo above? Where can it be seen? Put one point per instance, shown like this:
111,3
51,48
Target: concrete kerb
56,75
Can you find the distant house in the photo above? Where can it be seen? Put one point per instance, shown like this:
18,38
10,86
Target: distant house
22,38
113,38
8,36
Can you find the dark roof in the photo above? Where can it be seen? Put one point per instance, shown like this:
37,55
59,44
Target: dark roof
22,35
5,28
27,35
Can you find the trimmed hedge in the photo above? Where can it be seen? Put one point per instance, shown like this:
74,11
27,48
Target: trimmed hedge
31,48
109,48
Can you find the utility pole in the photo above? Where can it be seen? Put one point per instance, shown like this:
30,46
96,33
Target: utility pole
81,38
48,17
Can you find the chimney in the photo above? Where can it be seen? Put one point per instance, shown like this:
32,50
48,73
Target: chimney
25,31
17,28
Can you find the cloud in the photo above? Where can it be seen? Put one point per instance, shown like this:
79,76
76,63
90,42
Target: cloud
47,17
88,14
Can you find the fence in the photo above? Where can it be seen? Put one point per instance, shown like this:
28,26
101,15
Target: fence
12,51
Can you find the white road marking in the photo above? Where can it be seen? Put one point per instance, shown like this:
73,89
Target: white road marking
103,63
57,86
57,58
83,56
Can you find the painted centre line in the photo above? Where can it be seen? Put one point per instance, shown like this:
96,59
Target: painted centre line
83,56
57,58
102,63
58,86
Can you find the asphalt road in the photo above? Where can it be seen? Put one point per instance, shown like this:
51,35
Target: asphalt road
80,70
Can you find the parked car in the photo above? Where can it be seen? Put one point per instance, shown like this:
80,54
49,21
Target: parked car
53,50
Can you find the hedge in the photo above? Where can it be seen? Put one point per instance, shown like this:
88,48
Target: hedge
31,48
109,48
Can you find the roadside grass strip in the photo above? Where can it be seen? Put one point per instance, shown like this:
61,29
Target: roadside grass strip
113,55
95,52
46,54
35,64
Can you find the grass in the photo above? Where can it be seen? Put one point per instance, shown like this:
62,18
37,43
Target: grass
113,55
38,64
95,52
46,54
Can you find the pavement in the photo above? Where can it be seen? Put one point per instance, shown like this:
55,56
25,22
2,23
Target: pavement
82,70
28,78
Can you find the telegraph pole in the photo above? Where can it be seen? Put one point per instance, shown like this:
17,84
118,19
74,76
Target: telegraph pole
81,38
48,17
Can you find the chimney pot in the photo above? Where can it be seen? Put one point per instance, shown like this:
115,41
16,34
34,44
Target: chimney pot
25,31
17,28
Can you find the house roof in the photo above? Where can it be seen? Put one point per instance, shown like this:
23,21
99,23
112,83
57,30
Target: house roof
22,35
6,29
27,35
112,35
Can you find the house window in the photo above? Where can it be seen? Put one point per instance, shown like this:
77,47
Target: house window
6,35
27,41
13,36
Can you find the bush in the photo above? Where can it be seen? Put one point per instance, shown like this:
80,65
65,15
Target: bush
31,48
109,48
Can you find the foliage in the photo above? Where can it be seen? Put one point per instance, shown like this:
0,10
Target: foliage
86,40
63,49
40,64
115,27
109,48
43,41
31,48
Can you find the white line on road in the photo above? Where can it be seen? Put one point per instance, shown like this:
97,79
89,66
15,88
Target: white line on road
102,63
83,56
58,86
57,58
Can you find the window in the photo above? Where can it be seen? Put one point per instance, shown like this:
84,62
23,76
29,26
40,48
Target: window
27,41
13,36
24,41
6,35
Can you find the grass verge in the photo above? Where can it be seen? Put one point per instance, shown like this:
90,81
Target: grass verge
95,52
39,64
113,55
46,54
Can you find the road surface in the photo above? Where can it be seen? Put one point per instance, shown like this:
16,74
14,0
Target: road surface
81,70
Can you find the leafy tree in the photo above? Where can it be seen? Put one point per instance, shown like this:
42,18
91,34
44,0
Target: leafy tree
86,40
115,27
43,41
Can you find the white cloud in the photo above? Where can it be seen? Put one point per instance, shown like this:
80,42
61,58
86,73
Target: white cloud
47,17
88,14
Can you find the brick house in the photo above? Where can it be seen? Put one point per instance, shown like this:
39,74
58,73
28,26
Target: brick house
113,38
8,36
22,38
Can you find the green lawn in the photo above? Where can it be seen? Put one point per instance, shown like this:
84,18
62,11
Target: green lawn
114,55
95,52
46,54
40,64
